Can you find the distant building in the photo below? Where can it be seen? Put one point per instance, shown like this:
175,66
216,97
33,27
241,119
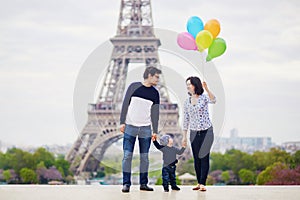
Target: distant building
3,147
246,144
291,147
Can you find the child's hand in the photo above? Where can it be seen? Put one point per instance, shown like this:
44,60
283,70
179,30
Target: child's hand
184,144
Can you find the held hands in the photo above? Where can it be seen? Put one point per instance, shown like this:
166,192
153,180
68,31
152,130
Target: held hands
184,140
184,143
154,137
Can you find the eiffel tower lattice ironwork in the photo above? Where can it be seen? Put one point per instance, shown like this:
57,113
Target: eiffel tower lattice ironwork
135,42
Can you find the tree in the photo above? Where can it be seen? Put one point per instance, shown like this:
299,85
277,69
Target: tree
41,165
225,176
247,176
46,175
239,160
28,176
216,176
41,170
210,180
41,174
41,154
7,175
260,160
18,159
268,174
219,161
285,176
62,165
3,161
278,155
296,158
53,174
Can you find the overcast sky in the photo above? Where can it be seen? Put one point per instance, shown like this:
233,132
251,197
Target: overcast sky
43,45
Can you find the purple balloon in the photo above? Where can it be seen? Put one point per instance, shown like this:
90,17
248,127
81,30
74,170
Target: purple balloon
186,41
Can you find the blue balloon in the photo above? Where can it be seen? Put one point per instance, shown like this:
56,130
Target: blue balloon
194,25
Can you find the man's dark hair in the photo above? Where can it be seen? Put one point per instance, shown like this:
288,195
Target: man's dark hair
196,82
151,71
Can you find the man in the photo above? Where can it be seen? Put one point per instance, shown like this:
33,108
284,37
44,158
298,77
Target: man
140,109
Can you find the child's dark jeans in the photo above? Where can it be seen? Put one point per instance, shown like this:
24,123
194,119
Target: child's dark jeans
168,175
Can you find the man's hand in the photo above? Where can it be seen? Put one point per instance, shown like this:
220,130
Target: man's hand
122,128
154,136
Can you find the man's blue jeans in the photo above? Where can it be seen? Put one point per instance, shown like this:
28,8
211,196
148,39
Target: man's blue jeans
144,135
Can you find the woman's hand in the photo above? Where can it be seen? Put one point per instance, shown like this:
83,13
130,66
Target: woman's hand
204,85
184,143
210,94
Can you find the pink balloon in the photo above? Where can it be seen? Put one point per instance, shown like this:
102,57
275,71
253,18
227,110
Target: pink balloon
186,41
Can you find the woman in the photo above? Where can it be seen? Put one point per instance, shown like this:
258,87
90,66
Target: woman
196,119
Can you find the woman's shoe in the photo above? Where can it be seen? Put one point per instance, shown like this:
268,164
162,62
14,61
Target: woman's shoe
197,187
202,188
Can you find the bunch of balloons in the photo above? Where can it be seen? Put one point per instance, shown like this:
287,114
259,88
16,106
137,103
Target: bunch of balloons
200,37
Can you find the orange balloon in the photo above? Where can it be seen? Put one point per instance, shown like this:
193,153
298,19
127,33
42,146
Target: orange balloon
213,26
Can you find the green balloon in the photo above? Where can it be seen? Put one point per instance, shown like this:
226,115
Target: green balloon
216,49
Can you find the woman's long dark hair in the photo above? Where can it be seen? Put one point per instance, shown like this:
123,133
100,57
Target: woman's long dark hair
196,82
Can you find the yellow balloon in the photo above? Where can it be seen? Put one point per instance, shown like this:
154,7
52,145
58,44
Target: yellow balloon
213,26
203,40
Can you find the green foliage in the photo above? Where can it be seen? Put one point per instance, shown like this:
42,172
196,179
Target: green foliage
277,155
155,173
18,159
60,169
219,161
246,165
108,170
41,165
7,175
239,160
159,181
5,161
41,154
28,176
62,165
247,176
232,159
267,175
225,176
260,160
296,158
210,180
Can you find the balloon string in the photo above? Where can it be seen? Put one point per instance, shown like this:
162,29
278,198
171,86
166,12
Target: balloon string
203,67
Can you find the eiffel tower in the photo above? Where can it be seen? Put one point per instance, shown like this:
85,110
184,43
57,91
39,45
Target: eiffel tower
134,42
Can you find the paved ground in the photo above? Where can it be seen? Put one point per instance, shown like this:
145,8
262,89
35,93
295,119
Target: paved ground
76,192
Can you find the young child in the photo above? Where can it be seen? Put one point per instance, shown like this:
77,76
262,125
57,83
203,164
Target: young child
169,158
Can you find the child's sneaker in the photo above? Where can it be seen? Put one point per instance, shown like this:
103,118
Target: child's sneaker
175,187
